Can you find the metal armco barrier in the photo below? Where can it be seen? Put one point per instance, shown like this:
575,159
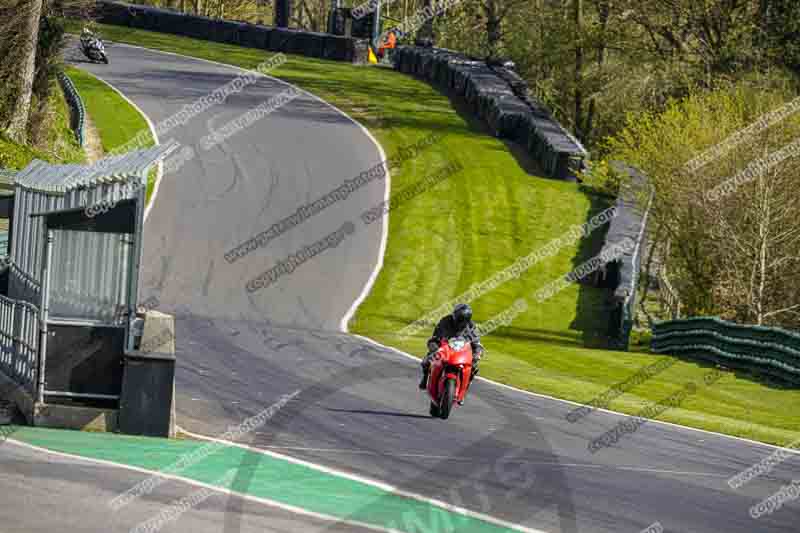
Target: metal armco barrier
766,350
19,342
78,111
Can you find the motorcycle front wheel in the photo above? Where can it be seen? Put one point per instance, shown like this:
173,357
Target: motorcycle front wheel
448,396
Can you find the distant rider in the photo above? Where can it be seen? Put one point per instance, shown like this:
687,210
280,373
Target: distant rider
457,324
89,39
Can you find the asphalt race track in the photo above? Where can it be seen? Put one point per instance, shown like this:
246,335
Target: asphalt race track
505,454
51,493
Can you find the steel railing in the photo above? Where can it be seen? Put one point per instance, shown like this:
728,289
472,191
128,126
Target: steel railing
76,105
19,342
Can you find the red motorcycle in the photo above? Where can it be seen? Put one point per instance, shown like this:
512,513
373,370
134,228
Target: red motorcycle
451,369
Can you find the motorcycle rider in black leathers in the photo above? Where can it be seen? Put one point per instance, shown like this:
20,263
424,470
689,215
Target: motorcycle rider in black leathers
87,35
457,324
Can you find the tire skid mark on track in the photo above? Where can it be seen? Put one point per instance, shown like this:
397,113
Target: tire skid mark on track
536,499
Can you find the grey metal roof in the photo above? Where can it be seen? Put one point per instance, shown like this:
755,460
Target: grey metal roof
59,179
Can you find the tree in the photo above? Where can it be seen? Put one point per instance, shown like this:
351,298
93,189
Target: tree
496,13
31,44
23,77
735,253
761,260
779,22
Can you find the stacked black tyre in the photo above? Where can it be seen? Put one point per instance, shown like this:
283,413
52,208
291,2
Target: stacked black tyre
309,44
501,98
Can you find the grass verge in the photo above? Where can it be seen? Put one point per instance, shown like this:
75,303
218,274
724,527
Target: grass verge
16,156
116,120
480,221
54,143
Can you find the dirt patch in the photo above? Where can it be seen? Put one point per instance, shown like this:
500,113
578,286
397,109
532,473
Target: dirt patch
92,145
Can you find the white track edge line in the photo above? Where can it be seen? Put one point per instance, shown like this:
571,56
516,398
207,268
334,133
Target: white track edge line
384,238
503,385
160,164
373,277
371,482
385,222
578,404
189,481
343,325
352,310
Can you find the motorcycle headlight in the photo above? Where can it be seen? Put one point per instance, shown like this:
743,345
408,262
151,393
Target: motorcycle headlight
457,344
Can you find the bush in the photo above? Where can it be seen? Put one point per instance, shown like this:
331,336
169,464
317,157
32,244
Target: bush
16,156
737,254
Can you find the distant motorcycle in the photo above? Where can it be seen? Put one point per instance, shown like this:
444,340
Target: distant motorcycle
94,49
451,370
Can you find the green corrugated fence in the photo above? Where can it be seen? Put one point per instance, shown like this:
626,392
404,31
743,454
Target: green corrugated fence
765,350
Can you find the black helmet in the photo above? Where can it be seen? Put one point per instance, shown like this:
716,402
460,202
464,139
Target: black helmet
462,313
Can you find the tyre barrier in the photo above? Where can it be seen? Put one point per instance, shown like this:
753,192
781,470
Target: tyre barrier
502,99
76,107
311,44
760,349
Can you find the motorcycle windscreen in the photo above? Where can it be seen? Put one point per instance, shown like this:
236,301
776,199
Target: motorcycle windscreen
462,357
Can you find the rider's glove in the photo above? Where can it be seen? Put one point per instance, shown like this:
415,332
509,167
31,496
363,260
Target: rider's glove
432,346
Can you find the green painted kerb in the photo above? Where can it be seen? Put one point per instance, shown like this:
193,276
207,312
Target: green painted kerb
262,476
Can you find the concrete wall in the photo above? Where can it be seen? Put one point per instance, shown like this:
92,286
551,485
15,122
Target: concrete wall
157,342
16,394
147,405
